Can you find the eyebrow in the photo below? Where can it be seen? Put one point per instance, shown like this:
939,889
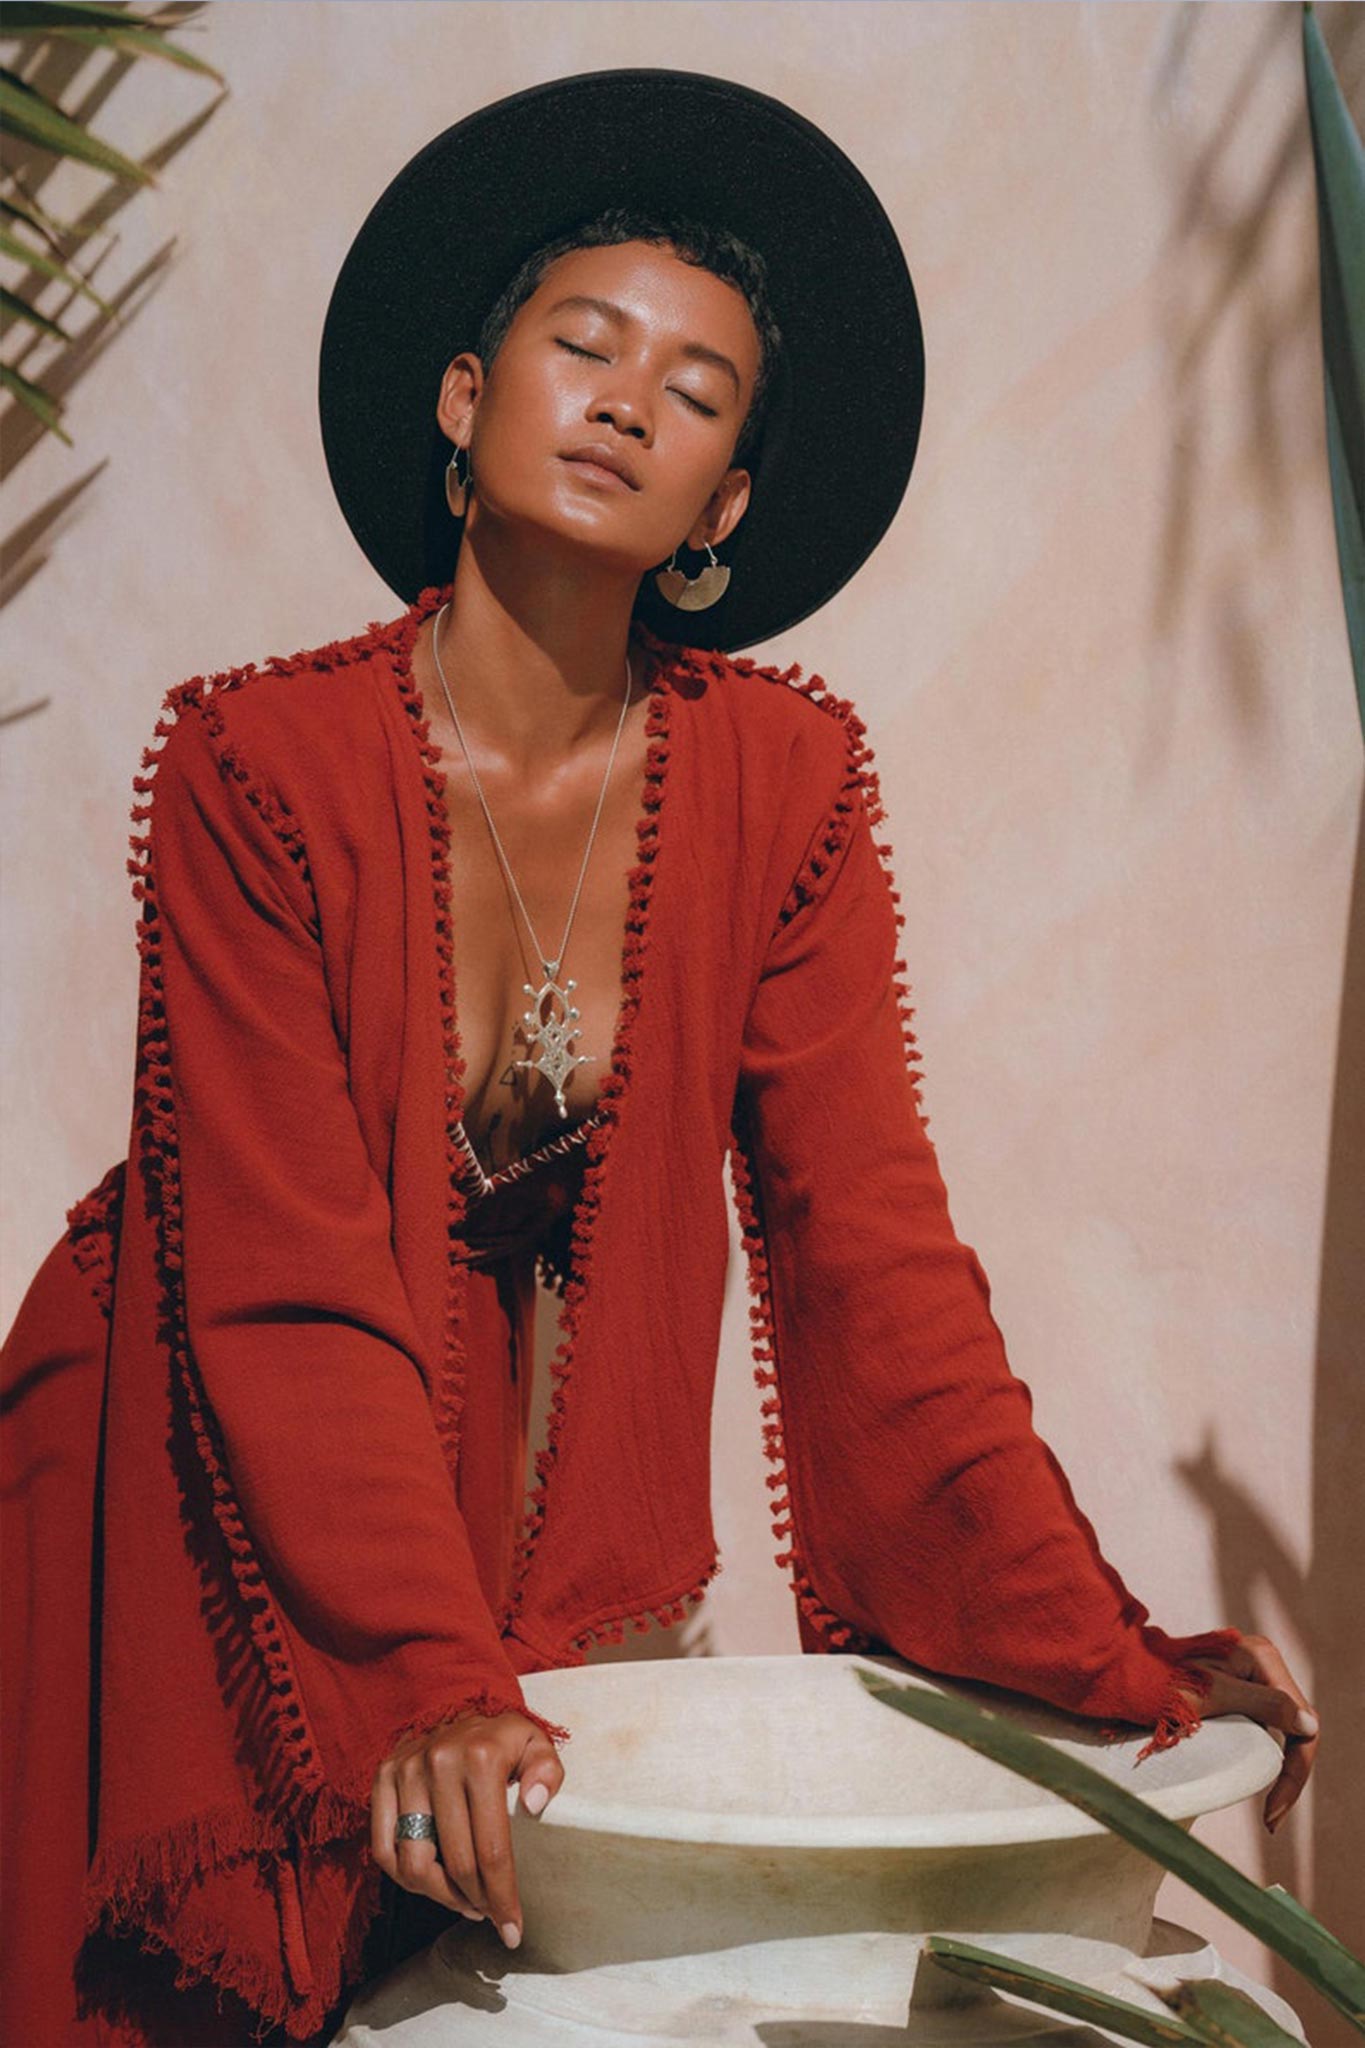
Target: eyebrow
696,350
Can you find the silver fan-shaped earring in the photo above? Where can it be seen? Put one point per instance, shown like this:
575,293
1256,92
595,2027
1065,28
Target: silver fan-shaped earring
694,593
457,486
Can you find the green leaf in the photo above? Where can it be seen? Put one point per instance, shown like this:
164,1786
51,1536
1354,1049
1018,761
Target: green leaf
18,309
1301,1912
1060,1994
1224,2014
109,27
1339,167
1326,1963
10,245
46,224
39,402
27,15
29,115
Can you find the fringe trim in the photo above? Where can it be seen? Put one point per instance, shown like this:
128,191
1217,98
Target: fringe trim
291,1769
860,785
612,1629
861,782
550,1275
448,1396
834,1631
296,1757
130,1882
485,1701
589,1202
135,1888
93,1225
1177,1715
157,1869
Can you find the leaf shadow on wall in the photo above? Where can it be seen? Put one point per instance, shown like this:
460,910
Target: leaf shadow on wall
59,365
1223,277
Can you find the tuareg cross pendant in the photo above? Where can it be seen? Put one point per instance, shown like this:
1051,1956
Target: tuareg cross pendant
551,1030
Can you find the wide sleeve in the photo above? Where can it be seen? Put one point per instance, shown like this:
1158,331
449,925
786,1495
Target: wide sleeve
298,1349
925,1513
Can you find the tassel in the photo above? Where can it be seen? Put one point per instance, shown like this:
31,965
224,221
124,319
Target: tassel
836,1633
92,1229
612,1629
448,1396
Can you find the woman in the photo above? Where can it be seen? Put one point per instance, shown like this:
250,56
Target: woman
273,1602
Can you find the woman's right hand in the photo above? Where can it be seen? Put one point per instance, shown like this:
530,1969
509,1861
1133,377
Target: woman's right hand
459,1772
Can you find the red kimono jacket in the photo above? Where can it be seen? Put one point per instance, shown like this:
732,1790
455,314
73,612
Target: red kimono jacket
258,1523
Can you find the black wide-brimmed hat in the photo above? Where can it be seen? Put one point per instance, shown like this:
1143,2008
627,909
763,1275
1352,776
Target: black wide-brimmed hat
447,234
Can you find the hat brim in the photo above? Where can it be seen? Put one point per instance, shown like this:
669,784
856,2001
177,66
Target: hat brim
447,233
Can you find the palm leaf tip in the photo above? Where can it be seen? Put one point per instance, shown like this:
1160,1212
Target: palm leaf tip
1226,2015
1067,1995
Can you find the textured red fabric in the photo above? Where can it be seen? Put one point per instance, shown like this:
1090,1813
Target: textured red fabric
258,1519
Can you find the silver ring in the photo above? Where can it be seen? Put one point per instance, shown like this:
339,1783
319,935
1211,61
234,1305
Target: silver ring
415,1827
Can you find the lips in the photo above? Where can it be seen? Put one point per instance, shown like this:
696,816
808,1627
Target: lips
596,456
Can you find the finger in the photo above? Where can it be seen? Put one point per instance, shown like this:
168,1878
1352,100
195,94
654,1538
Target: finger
1269,1665
1271,1705
451,1806
419,1865
384,1820
486,1776
1234,1657
540,1774
1301,1746
1277,1708
1294,1772
420,1871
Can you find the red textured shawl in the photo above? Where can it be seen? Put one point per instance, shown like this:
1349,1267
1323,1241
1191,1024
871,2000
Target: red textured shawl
256,1453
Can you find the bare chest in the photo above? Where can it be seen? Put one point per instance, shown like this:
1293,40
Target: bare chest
499,943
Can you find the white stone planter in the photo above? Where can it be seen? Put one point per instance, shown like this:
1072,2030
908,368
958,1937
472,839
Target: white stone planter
749,1848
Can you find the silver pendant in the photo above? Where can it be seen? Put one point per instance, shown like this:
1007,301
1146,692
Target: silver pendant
551,1031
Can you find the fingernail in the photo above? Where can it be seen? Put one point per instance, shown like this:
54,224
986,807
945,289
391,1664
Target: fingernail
536,1798
1306,1723
510,1933
470,1914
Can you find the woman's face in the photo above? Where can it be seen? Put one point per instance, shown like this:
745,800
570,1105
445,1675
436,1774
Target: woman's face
629,347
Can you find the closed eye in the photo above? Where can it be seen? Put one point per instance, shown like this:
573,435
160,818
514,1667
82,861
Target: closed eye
575,350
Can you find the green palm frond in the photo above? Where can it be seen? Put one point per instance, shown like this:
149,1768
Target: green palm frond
1339,167
1061,1994
32,117
20,206
33,120
39,402
10,245
109,27
1292,1932
19,309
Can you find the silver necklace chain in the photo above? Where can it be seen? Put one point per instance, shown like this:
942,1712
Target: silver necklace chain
551,1030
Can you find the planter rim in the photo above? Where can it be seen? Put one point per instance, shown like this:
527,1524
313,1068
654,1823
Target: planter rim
1253,1764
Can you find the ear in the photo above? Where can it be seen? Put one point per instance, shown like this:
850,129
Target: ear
461,384
723,511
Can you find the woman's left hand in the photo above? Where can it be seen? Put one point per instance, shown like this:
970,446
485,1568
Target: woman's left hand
1252,1678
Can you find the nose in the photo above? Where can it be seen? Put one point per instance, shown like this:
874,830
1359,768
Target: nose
625,418
627,409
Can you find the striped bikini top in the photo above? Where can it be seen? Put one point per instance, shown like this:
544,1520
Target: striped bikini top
527,1205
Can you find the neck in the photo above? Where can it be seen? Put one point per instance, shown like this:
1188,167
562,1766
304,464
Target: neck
536,678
